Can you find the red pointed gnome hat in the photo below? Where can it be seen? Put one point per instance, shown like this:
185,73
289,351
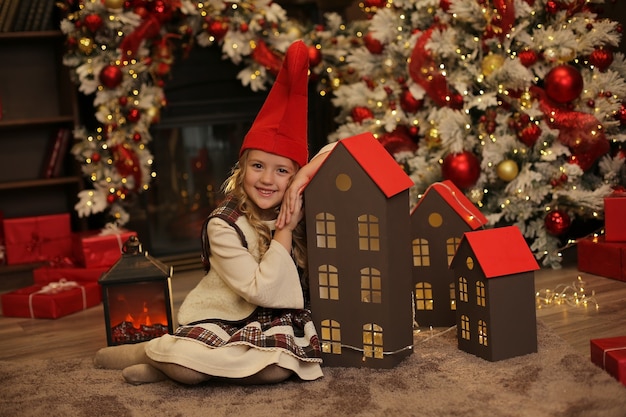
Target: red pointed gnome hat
280,127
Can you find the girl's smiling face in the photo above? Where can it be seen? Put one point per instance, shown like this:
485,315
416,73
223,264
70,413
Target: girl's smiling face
266,179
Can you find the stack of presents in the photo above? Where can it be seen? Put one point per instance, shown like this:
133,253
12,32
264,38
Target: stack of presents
605,256
70,264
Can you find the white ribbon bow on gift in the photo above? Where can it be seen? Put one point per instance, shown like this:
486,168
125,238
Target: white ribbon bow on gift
113,229
55,288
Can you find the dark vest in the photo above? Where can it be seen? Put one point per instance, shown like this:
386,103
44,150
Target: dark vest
228,212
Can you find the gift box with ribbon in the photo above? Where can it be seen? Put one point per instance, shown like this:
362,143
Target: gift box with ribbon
50,273
614,219
100,248
610,354
51,301
38,238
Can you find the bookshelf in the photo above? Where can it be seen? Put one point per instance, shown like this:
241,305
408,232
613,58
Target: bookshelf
38,106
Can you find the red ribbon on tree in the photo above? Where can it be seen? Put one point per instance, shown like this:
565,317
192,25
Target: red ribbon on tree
506,16
263,55
150,27
581,132
423,70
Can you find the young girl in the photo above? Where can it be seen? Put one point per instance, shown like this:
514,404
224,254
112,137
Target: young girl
247,320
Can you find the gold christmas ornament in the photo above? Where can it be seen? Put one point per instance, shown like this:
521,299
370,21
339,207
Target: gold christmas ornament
86,45
114,4
507,170
491,63
526,100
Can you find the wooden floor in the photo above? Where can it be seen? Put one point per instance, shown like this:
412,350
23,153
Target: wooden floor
81,334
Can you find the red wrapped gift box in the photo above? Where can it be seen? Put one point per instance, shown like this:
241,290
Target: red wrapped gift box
599,257
614,218
610,355
51,301
47,274
95,249
37,239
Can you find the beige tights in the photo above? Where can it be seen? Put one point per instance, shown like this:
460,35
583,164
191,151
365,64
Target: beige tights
138,368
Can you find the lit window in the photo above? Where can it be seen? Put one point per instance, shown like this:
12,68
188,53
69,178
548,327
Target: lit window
331,336
482,332
452,297
423,296
451,245
371,286
421,253
373,341
325,231
328,279
369,233
463,290
465,327
480,294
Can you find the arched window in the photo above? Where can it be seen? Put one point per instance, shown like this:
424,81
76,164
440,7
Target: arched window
371,286
451,245
328,280
325,231
421,253
424,296
480,294
331,337
372,341
482,332
463,290
465,327
369,232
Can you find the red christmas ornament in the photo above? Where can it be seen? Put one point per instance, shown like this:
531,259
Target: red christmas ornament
127,163
93,22
409,103
552,7
111,198
375,3
563,83
137,137
601,58
111,76
398,141
557,222
359,114
315,56
133,115
373,45
583,160
95,157
218,29
621,115
123,101
528,57
445,5
462,168
529,134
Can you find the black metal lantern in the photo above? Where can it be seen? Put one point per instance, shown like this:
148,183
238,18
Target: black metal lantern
137,297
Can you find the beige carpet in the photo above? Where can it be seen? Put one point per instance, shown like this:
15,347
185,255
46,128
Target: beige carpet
437,380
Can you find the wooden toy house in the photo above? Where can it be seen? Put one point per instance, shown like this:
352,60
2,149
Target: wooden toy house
495,291
438,222
357,216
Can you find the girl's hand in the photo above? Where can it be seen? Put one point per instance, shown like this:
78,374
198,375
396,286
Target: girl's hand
293,197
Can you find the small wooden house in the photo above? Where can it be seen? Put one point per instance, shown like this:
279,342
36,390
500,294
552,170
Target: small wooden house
438,222
495,291
357,216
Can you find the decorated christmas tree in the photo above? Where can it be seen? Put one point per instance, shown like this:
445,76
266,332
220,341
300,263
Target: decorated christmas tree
520,103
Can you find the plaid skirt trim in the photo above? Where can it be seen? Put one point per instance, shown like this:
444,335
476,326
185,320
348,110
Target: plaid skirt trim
291,331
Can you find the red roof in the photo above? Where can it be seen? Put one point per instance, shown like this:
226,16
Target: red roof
376,161
501,251
458,202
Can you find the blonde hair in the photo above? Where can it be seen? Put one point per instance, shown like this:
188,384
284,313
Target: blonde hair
234,186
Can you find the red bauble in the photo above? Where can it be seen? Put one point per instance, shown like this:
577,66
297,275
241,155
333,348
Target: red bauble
444,4
601,58
563,83
123,100
127,163
95,157
111,198
373,45
529,134
621,115
409,103
93,22
111,76
137,137
462,168
375,3
361,113
398,141
557,222
218,29
133,115
315,56
528,57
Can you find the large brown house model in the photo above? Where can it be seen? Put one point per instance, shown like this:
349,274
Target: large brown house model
438,223
357,216
495,292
